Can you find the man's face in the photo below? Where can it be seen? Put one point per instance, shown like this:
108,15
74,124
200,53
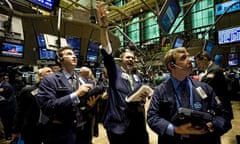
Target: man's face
128,61
201,64
183,63
69,58
46,71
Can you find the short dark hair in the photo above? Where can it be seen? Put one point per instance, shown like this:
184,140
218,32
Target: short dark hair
201,55
59,52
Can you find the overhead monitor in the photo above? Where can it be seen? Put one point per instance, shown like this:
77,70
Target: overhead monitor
52,42
233,59
44,53
16,27
208,46
75,43
230,35
12,50
233,6
178,42
218,59
92,51
168,14
46,4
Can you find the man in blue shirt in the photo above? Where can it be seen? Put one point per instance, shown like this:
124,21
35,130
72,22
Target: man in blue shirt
169,97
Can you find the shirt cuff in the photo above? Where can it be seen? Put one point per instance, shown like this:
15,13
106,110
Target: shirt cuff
108,48
74,98
170,130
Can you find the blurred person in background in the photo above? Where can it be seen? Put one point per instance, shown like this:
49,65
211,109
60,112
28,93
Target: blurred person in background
214,76
26,122
7,105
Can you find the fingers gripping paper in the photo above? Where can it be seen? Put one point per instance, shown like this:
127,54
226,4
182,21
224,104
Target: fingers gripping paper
139,94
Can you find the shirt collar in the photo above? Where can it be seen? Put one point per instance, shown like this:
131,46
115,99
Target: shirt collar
67,75
176,82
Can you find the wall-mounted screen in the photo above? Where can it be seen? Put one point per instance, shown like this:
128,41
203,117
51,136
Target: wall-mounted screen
46,4
233,59
12,50
178,42
44,53
168,14
221,7
92,51
218,59
52,42
208,46
230,35
74,43
92,57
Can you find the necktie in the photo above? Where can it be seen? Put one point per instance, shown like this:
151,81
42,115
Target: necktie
184,95
74,82
78,113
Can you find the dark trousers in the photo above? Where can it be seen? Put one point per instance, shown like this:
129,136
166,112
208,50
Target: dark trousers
60,134
136,132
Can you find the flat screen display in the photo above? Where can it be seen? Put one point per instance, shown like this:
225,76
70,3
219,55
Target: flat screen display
233,59
46,4
92,56
45,54
92,51
178,42
74,43
218,59
168,14
12,50
208,46
221,7
230,35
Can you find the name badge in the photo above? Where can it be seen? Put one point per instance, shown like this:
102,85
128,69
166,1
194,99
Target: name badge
136,78
125,76
201,92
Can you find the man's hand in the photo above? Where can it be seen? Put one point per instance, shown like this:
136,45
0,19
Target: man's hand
101,14
83,89
189,129
92,101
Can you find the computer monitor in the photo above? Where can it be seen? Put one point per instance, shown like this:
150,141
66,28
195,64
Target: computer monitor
208,46
233,59
178,42
92,51
46,4
168,14
12,50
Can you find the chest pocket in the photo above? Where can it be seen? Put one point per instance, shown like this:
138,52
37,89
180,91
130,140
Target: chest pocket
62,91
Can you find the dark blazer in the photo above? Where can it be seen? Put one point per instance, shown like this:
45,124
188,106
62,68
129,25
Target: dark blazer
219,84
163,108
120,115
55,102
27,116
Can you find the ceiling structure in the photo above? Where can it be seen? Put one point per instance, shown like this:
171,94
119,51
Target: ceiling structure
116,14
